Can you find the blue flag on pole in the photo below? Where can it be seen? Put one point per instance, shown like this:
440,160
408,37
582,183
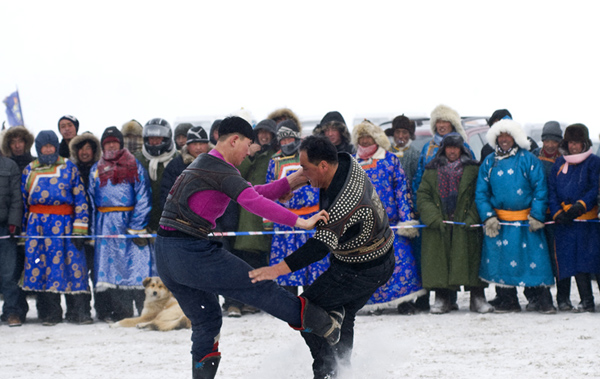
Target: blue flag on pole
13,109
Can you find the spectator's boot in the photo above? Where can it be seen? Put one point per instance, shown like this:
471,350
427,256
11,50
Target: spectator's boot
207,367
584,285
478,303
320,322
441,304
563,295
545,305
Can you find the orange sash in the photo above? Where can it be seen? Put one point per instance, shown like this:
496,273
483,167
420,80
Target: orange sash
512,215
62,209
114,209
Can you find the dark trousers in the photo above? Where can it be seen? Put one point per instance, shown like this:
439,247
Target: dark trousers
350,286
8,283
254,259
196,271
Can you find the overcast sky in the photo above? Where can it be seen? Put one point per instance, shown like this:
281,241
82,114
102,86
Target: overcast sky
107,62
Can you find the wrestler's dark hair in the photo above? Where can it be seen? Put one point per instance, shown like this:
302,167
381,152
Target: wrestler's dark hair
319,148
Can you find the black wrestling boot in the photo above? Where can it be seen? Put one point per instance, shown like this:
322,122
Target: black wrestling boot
207,367
322,323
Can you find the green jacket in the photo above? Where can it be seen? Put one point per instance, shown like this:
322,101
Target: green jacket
450,254
255,171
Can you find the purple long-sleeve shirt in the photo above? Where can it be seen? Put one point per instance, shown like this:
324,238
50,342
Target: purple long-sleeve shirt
211,204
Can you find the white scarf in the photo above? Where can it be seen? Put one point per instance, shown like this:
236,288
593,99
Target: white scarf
154,161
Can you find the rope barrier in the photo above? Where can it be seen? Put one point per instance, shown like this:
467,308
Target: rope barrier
234,234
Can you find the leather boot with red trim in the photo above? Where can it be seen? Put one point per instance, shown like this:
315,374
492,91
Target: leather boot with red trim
320,322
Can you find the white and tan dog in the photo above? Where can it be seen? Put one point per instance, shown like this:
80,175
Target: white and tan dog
161,310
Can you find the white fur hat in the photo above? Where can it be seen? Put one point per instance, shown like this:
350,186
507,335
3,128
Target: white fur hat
445,113
510,127
368,128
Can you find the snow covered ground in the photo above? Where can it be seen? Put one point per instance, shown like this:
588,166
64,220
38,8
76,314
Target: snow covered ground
456,345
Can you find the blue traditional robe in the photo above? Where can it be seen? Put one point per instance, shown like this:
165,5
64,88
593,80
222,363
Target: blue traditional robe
119,262
388,179
577,245
305,203
54,264
516,257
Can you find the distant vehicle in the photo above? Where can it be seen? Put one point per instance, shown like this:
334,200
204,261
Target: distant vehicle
476,129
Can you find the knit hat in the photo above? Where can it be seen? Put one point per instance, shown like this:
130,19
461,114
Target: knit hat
44,138
286,129
499,114
112,134
403,122
182,129
235,124
74,120
576,133
196,134
552,131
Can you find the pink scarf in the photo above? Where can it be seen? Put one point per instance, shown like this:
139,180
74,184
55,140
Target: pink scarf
366,152
575,159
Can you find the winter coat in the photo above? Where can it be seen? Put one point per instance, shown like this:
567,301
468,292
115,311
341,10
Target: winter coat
84,168
305,202
120,262
172,171
450,257
11,203
253,169
387,177
516,257
409,161
54,265
577,245
155,186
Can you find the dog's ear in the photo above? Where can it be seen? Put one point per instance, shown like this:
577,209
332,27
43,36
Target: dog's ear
146,281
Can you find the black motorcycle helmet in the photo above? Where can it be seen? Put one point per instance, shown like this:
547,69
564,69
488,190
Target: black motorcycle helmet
158,127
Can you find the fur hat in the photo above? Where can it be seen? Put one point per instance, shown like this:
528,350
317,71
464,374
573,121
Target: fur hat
73,119
552,131
132,127
445,113
403,122
577,133
498,115
367,128
16,132
79,141
510,127
284,113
